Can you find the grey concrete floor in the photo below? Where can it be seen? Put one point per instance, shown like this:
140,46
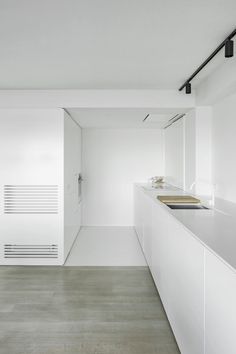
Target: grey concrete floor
85,310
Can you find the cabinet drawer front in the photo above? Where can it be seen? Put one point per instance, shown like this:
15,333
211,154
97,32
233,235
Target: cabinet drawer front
178,270
220,290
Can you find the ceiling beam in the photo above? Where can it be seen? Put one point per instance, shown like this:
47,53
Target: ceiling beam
95,99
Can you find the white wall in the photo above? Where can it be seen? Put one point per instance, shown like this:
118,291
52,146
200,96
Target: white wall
203,150
219,85
174,154
219,90
31,161
113,159
188,151
224,148
72,168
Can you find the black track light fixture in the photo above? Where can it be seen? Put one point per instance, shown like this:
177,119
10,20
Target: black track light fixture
229,48
227,44
188,88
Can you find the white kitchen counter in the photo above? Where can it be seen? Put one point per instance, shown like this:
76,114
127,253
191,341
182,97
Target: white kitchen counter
214,228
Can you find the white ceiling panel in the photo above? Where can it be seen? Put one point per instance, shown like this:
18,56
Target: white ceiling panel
139,44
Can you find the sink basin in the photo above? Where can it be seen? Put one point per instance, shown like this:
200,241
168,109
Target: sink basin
187,206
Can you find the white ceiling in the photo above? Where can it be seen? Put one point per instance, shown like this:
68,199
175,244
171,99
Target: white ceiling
110,44
123,118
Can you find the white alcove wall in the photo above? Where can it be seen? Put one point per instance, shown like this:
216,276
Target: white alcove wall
174,153
114,159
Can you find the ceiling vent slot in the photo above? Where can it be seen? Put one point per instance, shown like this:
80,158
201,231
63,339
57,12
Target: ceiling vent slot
174,119
30,199
30,251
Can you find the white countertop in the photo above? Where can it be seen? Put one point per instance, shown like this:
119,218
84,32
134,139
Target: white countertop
214,228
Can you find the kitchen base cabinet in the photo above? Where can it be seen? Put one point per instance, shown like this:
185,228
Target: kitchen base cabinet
197,289
178,271
185,288
176,261
160,253
220,302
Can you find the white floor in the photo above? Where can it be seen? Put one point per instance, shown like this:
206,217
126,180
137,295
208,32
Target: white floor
106,246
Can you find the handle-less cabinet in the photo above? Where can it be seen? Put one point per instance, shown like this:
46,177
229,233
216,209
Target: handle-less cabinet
220,290
177,266
197,289
178,271
39,205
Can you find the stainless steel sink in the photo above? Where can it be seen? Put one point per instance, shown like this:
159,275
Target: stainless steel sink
187,206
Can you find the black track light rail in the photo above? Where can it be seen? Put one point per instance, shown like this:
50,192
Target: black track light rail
222,44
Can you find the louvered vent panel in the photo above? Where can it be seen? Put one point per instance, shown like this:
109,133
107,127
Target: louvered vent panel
30,251
30,199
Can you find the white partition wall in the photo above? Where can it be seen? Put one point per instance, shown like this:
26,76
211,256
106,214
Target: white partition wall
32,186
188,152
72,185
174,154
113,159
